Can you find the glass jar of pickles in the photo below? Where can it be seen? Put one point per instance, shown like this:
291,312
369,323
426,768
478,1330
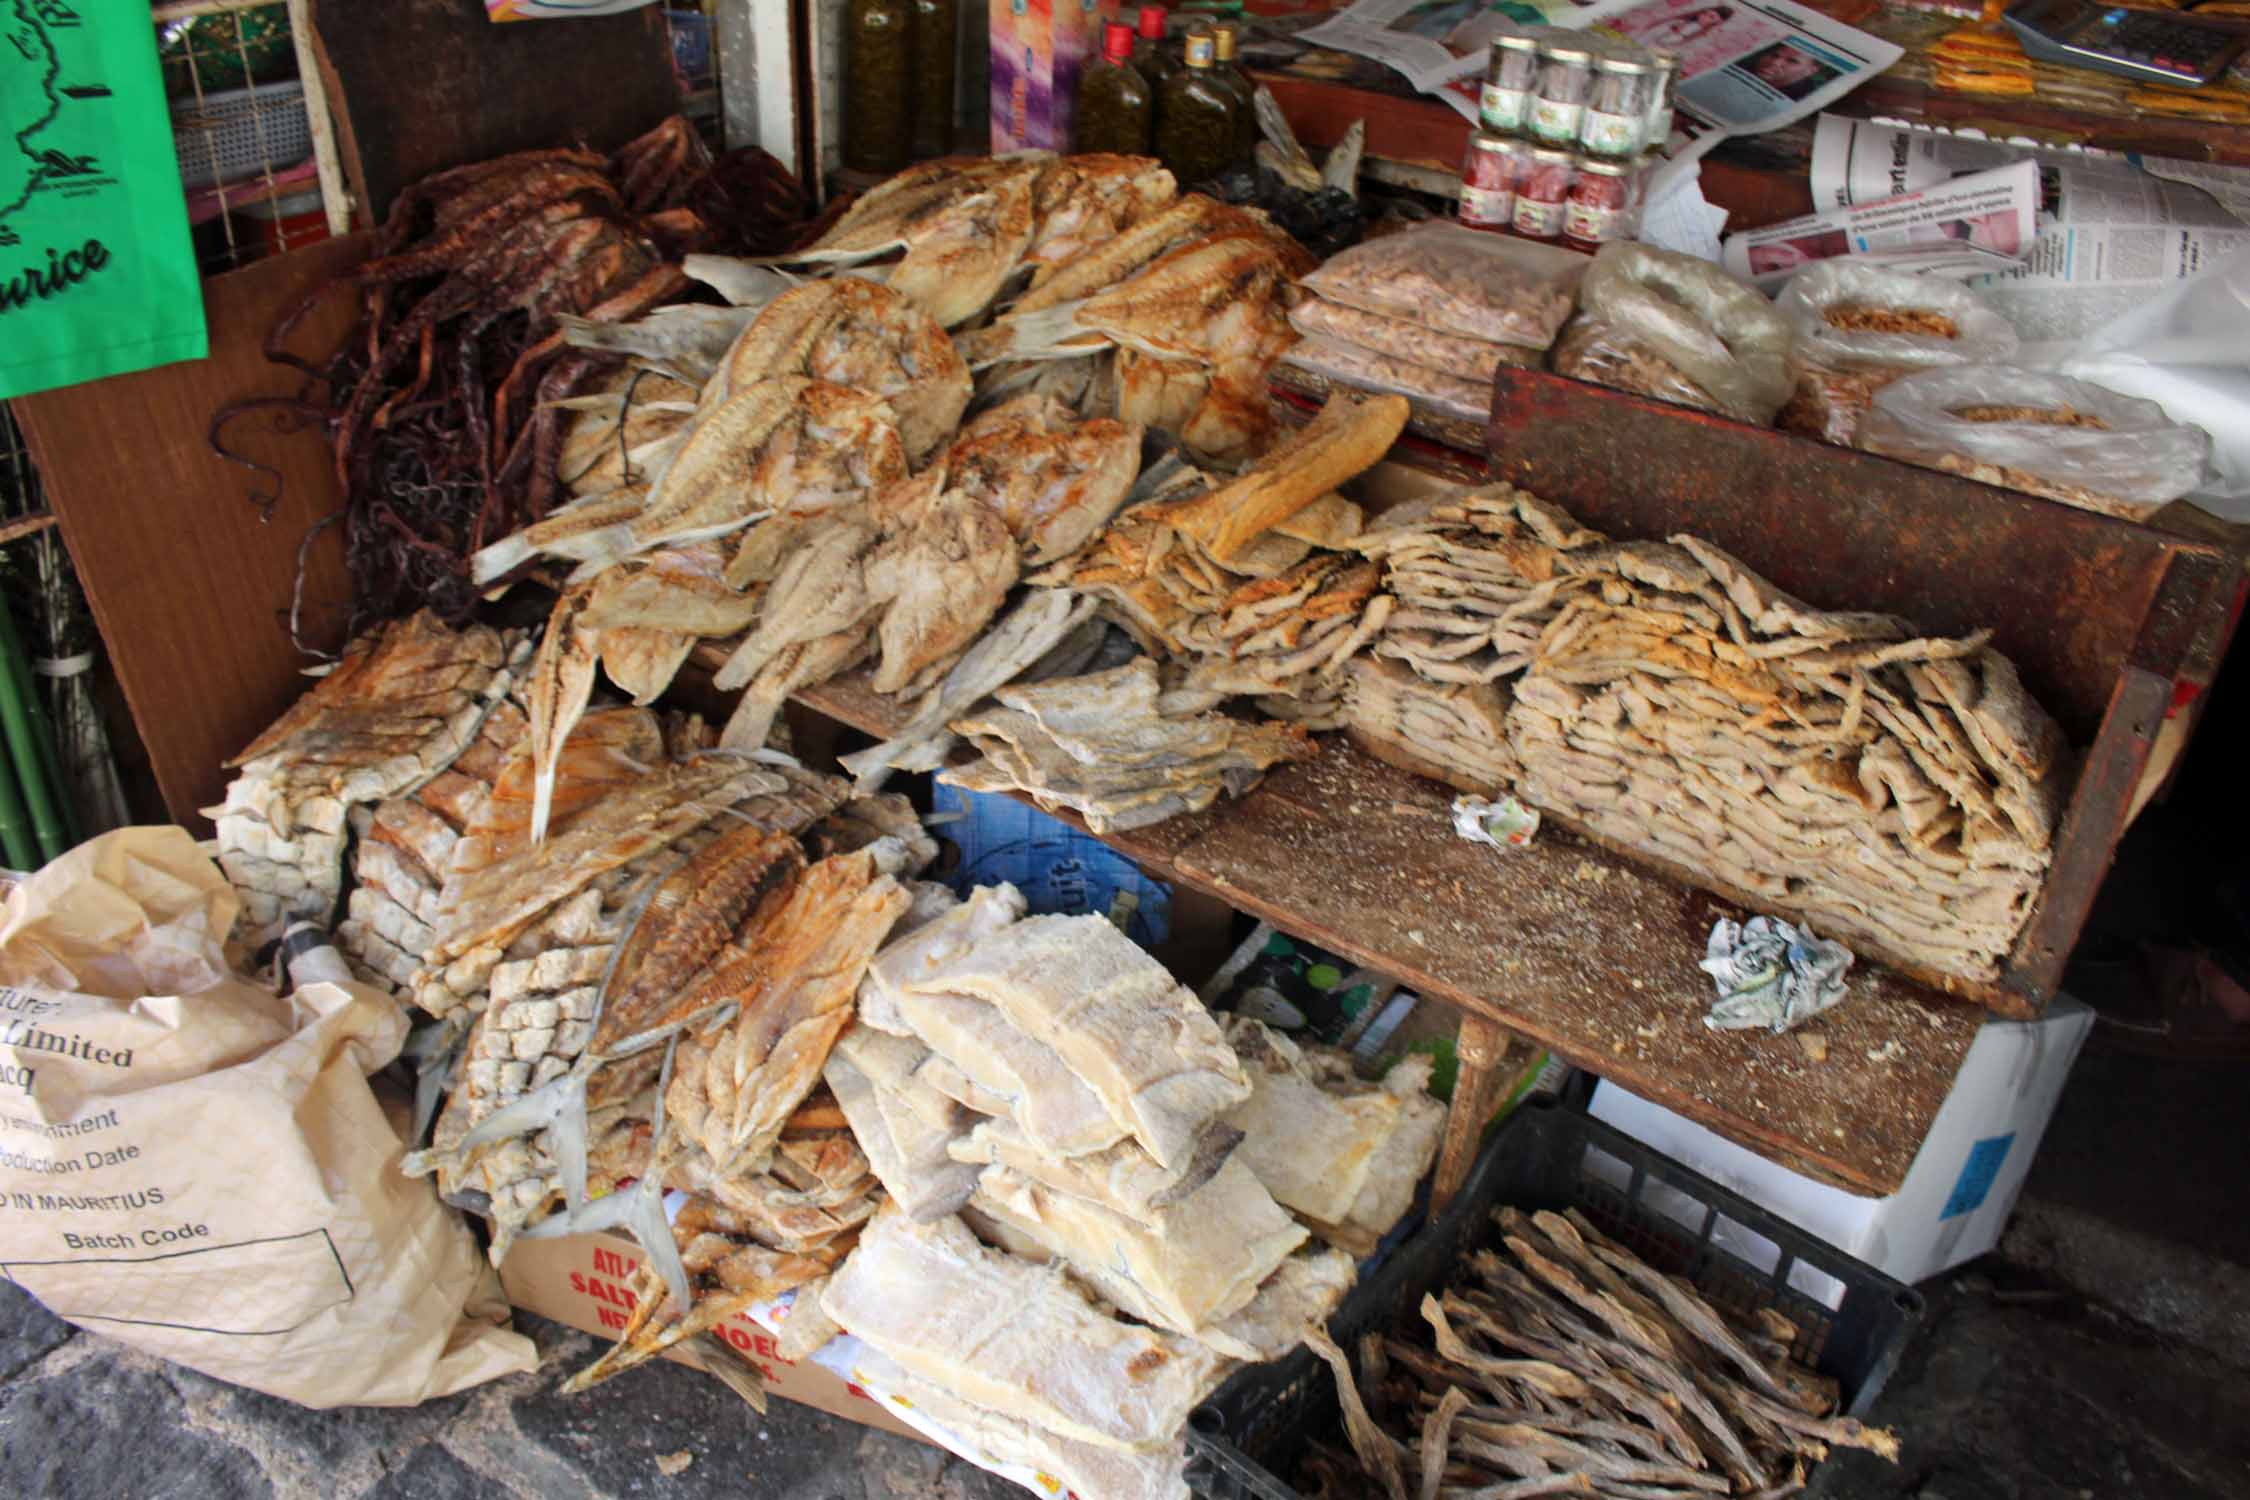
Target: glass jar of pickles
1505,101
1558,99
1542,192
1489,174
1616,108
1662,81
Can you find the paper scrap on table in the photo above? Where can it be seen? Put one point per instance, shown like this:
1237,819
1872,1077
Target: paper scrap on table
1771,973
1679,217
1506,824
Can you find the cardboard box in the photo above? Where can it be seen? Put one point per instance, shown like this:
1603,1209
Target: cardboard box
1964,1182
582,1280
1039,48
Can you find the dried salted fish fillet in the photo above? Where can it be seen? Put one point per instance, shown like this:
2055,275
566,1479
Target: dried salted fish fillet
1312,1146
995,1438
907,1147
1014,1337
1186,1265
991,1065
1348,437
940,583
1115,1016
1124,1179
1053,478
935,929
1296,1298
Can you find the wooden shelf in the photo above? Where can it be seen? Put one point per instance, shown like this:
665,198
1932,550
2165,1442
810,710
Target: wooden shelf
1563,943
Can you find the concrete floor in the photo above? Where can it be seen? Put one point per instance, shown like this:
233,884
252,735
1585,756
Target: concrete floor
2103,1353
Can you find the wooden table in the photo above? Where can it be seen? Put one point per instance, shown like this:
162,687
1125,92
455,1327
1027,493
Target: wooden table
1567,945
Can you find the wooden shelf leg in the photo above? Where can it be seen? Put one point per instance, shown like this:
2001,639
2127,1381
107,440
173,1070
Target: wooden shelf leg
1480,1045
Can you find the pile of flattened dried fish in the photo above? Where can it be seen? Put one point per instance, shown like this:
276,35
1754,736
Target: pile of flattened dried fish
394,713
1476,576
1454,732
1045,1085
1341,1154
1244,551
1562,1364
1898,791
1105,747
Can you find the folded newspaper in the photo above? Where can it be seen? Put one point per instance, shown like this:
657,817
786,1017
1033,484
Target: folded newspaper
1971,226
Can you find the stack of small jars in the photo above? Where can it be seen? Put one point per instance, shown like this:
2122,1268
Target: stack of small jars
1570,125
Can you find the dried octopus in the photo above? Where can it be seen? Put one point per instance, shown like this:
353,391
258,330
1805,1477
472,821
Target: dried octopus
441,406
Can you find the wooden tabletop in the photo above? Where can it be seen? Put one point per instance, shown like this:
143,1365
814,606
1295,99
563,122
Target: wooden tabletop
1564,943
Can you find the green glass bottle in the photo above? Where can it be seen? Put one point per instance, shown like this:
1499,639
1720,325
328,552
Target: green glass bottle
936,24
878,84
1152,58
1225,38
1116,109
1196,119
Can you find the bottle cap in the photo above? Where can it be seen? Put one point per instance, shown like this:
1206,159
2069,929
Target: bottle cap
1153,18
1223,39
1199,47
1117,42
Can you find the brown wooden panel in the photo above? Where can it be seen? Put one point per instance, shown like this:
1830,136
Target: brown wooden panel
421,85
189,585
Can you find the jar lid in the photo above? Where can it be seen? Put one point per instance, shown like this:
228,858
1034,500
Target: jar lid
1550,156
1494,144
1622,65
1664,59
1564,54
1603,168
1515,41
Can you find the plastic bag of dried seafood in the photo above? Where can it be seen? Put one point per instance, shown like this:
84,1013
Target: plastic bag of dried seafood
198,1166
1597,350
1364,369
1459,281
1401,338
1721,336
2044,434
1860,327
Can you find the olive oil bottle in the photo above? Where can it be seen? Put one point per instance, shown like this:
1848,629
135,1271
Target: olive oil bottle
936,48
1152,59
1225,38
1197,117
878,84
1116,108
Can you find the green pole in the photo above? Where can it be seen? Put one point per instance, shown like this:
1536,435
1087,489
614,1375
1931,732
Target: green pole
17,846
43,735
21,733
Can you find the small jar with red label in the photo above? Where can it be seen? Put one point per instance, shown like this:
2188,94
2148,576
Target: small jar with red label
1542,192
1489,174
1598,207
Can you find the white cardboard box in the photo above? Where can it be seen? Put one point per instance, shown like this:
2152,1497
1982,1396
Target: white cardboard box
1963,1183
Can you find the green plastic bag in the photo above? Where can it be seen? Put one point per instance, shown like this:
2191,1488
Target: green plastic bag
97,273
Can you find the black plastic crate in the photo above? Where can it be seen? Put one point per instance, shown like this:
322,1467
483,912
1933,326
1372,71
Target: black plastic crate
1854,1321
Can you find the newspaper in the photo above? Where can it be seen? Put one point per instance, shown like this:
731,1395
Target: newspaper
2112,229
1971,226
1745,65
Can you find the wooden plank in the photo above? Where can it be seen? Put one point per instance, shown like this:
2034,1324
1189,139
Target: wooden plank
417,86
1480,1045
23,526
189,584
1586,954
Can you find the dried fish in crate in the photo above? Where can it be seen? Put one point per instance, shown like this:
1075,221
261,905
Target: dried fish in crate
395,712
1101,746
1560,1363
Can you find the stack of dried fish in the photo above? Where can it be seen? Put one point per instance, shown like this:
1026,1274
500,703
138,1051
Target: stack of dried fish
1290,637
1188,552
1567,1365
1899,791
1341,1154
1454,732
1052,1085
400,849
1477,575
400,707
1105,747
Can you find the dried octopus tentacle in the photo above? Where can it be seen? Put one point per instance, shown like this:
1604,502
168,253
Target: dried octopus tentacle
454,247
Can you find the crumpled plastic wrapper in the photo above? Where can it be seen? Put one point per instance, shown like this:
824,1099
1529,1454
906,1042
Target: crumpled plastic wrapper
1505,824
1771,973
